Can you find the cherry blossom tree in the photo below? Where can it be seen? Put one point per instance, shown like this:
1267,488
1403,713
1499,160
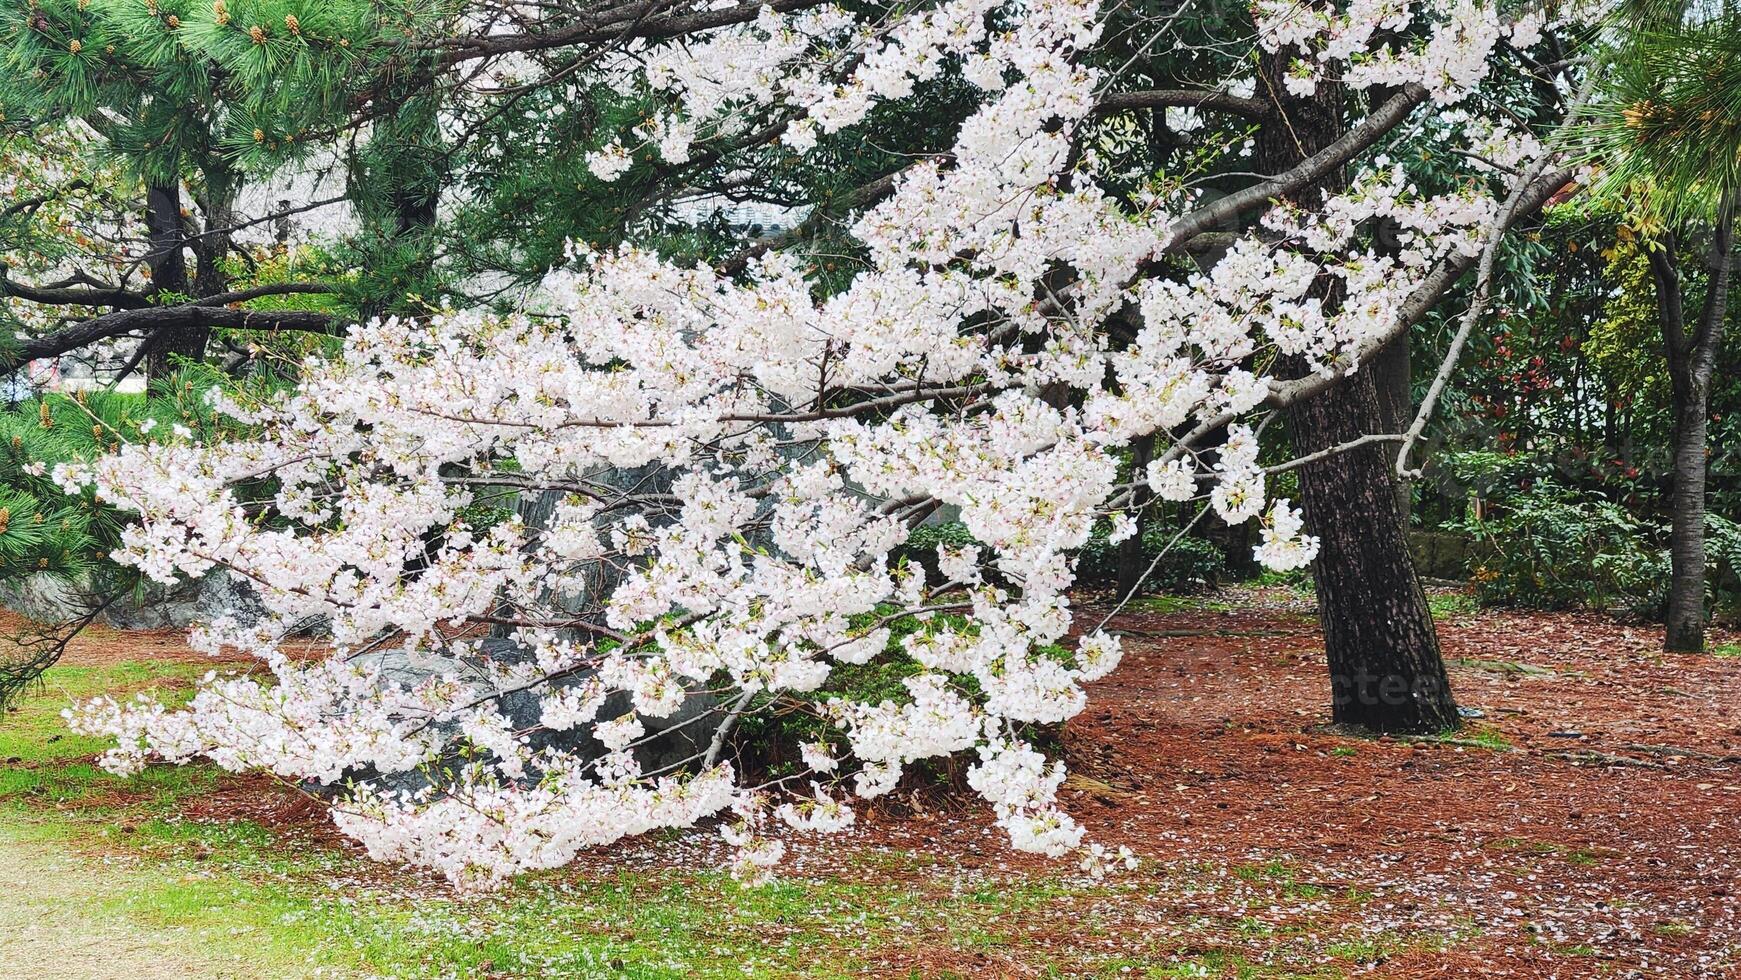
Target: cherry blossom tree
733,448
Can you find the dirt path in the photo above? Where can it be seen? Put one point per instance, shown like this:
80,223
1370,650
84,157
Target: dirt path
53,923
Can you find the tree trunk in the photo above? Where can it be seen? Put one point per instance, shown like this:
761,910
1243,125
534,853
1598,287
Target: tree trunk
1386,671
166,260
1686,589
1691,359
168,264
407,171
1392,370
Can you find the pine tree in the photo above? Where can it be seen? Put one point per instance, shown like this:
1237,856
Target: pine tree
1670,146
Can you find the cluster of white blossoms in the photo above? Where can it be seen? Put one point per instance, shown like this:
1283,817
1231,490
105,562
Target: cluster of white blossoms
731,463
1452,62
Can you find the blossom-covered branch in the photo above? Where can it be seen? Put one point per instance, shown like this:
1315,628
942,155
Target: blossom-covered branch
661,494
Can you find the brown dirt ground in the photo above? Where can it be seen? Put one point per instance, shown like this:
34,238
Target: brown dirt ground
1610,829
1601,837
98,645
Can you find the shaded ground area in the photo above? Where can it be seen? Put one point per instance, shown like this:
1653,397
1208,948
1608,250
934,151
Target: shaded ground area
101,646
1587,824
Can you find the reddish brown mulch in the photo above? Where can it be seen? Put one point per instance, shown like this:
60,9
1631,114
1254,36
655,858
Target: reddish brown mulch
101,646
1589,823
1606,841
269,802
1612,829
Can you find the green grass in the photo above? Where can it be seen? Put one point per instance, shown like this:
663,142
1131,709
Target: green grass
1282,875
1491,739
1299,580
1582,857
1485,738
1167,605
287,907
1213,963
244,891
250,896
1726,650
45,763
1450,605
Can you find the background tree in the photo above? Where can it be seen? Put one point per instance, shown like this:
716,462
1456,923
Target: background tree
1672,146
159,91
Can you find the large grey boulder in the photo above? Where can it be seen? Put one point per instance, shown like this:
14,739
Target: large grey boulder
54,599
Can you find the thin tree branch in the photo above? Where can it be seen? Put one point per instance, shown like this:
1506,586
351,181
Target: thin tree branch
1225,211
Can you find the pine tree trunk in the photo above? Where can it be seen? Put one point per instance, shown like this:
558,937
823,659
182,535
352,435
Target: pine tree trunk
166,260
1691,359
168,263
1686,592
1386,671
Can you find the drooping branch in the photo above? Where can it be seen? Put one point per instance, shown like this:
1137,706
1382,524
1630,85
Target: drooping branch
611,25
1427,295
1534,197
869,193
1520,197
267,289
72,295
29,205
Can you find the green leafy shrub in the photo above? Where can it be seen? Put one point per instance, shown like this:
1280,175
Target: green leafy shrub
921,546
1553,548
1723,551
1543,545
1189,565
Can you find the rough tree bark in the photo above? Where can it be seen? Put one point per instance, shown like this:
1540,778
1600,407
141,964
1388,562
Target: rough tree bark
171,235
1386,671
1392,372
166,260
1691,359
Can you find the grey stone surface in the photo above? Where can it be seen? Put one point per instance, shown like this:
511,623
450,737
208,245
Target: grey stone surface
49,599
